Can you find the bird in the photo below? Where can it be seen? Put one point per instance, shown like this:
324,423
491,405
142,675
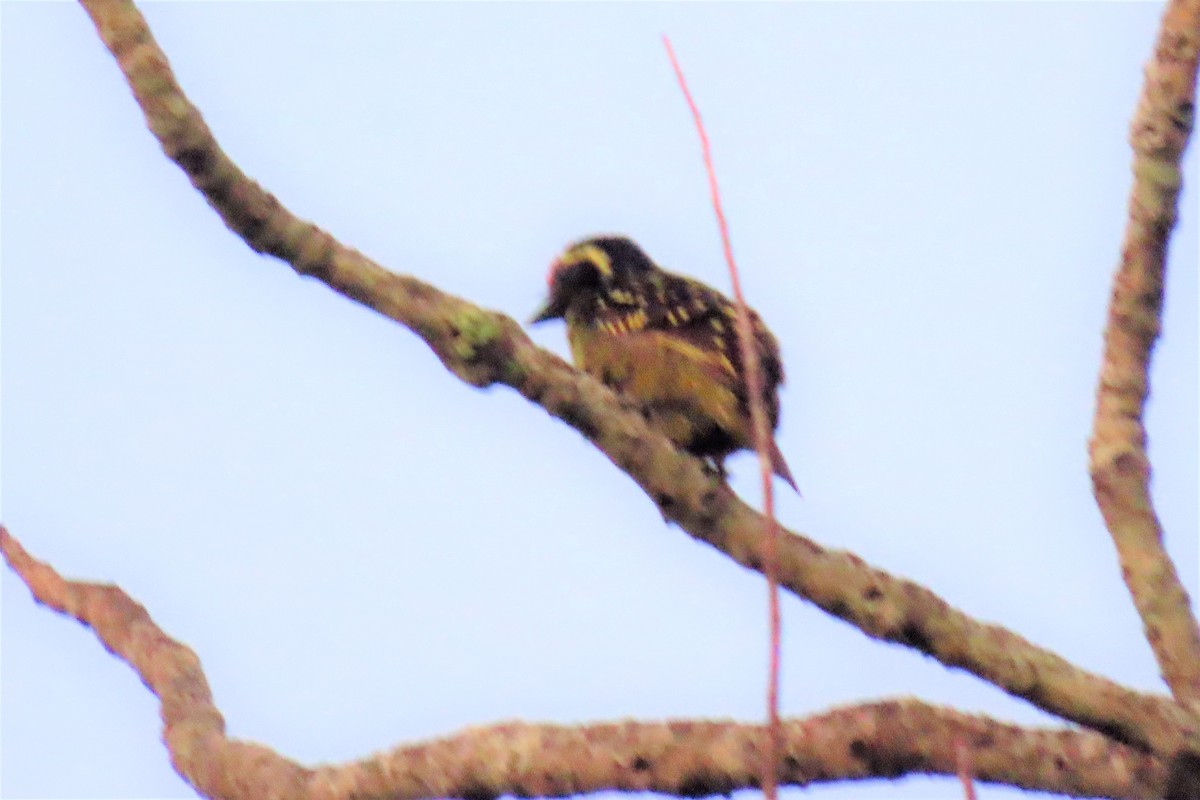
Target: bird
667,341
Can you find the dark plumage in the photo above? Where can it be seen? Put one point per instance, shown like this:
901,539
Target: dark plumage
668,341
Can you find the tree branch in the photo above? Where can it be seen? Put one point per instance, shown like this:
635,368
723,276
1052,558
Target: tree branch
680,757
1119,465
484,347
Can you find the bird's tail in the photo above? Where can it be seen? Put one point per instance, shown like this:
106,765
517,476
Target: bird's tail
779,465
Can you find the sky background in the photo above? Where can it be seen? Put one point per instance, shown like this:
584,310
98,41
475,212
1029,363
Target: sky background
926,201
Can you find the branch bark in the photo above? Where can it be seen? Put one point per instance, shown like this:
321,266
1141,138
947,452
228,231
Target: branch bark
1119,465
679,757
484,348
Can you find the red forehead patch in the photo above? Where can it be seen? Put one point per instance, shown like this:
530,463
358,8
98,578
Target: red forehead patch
555,266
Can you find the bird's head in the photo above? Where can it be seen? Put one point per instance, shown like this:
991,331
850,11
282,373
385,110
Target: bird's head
589,269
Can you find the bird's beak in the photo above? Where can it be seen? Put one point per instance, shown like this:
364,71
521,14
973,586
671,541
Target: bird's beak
548,310
555,305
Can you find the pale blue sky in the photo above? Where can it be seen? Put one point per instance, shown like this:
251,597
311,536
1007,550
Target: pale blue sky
926,200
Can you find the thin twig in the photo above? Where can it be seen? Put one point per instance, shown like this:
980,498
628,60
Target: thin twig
964,768
762,436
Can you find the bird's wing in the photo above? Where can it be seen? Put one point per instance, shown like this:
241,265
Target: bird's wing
700,315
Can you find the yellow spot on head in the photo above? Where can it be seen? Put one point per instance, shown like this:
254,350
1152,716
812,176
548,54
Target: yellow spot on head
718,326
683,313
587,253
671,318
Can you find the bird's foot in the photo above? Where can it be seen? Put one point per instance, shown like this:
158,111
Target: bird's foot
715,467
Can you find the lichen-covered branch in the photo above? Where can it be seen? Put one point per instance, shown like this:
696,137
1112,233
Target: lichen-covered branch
1119,465
484,348
682,757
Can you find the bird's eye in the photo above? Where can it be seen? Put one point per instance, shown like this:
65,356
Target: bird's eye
575,277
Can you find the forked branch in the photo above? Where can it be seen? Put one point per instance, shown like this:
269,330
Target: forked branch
484,347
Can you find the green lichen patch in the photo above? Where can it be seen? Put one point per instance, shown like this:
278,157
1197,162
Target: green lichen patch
475,330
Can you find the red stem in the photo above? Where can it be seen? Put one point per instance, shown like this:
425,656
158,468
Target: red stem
962,760
761,434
